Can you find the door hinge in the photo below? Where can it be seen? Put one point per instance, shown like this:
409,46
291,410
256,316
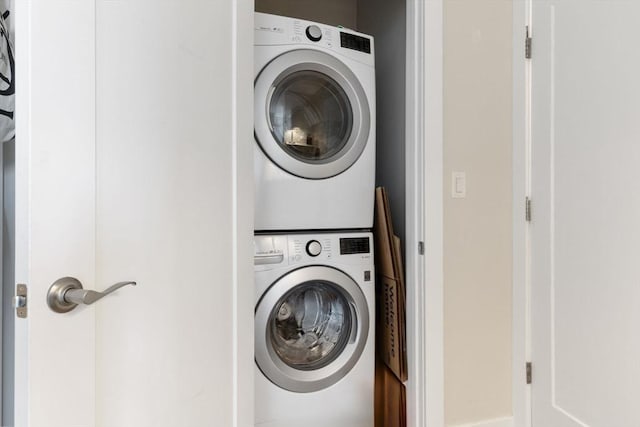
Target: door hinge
527,43
421,248
20,301
527,209
529,373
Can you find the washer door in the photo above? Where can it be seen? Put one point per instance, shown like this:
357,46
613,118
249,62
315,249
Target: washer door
311,327
311,114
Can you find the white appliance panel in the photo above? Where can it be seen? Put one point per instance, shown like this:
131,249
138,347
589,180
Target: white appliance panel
284,200
348,402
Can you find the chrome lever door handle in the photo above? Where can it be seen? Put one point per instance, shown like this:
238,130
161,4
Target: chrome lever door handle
67,293
84,296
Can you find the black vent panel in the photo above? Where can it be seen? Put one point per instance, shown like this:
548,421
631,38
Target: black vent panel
351,41
354,245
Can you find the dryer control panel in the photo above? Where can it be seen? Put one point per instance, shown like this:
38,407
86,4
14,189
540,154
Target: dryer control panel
272,251
279,30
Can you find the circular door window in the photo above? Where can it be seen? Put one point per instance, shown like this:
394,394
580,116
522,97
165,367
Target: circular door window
310,325
311,328
311,115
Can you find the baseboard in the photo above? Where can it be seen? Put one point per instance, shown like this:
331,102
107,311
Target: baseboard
498,422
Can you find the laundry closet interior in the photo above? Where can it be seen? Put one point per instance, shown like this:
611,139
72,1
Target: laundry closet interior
316,75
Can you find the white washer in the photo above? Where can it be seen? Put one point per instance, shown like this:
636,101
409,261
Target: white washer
314,122
314,330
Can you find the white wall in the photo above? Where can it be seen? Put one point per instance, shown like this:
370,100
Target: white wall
477,235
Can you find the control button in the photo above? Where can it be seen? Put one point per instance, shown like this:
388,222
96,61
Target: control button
314,248
314,33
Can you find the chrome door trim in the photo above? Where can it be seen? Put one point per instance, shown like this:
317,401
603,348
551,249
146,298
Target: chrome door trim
297,380
312,60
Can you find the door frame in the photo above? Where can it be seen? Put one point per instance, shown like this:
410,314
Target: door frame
424,213
425,323
521,284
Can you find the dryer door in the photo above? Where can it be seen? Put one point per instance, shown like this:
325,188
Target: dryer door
311,327
312,115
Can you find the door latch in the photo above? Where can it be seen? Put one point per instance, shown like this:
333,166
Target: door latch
20,301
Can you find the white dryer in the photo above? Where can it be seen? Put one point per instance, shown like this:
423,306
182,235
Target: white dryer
314,330
314,122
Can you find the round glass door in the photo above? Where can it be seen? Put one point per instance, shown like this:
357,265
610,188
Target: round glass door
311,327
311,116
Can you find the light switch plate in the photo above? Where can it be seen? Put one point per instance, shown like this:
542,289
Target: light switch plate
458,185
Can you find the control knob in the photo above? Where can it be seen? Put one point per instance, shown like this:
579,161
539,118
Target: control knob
314,248
314,33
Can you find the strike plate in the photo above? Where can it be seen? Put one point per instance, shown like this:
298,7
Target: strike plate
21,301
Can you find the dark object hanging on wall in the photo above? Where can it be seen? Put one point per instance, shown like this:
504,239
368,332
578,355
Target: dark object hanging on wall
7,82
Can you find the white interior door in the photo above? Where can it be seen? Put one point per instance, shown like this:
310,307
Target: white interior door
586,211
134,162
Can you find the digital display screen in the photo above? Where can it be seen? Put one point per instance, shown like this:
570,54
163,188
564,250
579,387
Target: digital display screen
351,41
354,245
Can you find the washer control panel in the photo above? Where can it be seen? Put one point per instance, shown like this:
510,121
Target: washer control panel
305,248
354,245
314,248
269,250
274,251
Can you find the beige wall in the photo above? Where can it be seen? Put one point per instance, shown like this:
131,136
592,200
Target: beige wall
333,12
477,235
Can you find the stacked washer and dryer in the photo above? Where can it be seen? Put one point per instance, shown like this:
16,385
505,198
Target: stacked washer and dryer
314,184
